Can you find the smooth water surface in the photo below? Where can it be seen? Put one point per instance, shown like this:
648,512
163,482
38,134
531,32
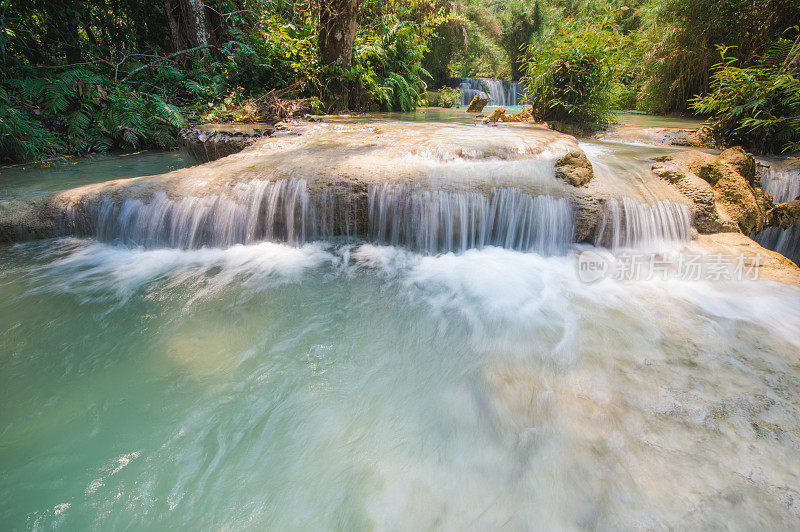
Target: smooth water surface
30,181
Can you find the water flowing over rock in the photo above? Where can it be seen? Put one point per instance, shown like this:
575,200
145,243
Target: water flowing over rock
432,221
634,225
497,92
430,187
783,186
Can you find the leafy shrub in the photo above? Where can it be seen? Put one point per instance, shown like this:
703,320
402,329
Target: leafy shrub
445,97
573,76
387,68
757,107
81,111
21,137
677,43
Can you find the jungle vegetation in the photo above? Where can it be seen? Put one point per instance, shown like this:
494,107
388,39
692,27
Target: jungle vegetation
82,76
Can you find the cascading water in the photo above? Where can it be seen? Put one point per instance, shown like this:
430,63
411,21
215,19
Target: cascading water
635,225
783,186
498,92
432,221
425,220
192,370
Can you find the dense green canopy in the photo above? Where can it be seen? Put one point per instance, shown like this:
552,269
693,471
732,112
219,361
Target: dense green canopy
80,76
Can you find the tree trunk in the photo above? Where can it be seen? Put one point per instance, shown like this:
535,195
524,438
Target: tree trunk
338,22
196,21
177,41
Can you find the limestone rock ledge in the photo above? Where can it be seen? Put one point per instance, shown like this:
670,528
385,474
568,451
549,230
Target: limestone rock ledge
772,265
724,191
209,142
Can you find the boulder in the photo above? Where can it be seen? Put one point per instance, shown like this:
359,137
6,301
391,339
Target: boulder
209,142
523,116
574,168
723,189
477,104
784,215
495,115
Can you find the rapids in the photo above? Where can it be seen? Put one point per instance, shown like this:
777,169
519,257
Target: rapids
321,386
379,324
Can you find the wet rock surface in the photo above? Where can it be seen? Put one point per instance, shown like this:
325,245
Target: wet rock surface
574,168
771,265
209,142
723,189
477,104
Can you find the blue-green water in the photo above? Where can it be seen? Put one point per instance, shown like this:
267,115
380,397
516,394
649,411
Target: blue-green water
363,387
30,181
354,386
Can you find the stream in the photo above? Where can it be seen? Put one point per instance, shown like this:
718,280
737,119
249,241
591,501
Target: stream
237,362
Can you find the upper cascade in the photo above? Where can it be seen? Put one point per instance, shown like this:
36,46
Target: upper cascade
430,187
498,92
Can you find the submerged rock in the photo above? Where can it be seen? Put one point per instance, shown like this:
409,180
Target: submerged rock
477,104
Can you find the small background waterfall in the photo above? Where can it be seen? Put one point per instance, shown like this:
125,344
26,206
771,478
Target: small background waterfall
499,92
784,186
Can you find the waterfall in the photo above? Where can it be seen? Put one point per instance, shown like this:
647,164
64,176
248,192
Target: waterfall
431,221
498,92
783,186
425,220
259,210
643,226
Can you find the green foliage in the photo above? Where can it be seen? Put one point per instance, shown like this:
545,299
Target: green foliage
80,111
23,138
757,107
678,38
387,67
445,97
513,26
273,54
573,76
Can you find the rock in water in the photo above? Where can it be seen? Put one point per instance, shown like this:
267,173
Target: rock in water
477,104
723,189
574,168
496,115
209,142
